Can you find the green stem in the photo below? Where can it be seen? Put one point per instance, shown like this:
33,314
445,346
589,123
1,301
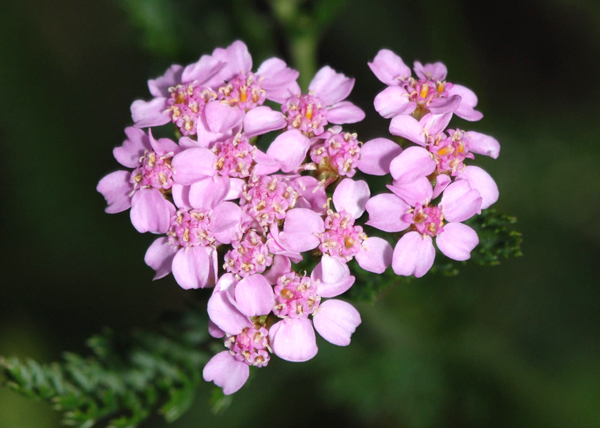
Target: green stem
304,57
303,37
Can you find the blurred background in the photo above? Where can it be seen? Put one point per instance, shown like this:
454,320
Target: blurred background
516,345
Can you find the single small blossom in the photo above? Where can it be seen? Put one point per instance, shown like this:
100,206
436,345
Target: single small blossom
195,232
337,235
146,189
310,113
297,297
428,93
239,309
414,253
180,96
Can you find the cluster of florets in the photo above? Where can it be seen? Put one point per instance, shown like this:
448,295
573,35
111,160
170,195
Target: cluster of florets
240,219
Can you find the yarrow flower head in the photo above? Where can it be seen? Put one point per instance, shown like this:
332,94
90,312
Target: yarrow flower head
245,214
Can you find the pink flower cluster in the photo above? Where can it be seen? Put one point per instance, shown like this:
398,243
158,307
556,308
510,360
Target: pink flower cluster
239,219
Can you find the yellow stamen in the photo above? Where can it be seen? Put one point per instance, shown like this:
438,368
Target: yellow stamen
445,151
424,91
309,112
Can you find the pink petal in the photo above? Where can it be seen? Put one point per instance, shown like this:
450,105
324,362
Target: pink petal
160,257
293,339
221,117
275,72
254,296
433,124
265,164
333,269
483,144
236,185
376,156
481,181
202,70
413,255
277,245
181,196
301,228
408,127
344,112
214,330
436,71
159,87
227,372
193,165
386,211
280,266
411,164
312,195
225,315
282,93
441,182
225,216
149,113
351,196
261,120
191,267
150,211
209,192
278,80
375,255
164,146
389,67
460,202
116,189
129,153
340,282
188,143
468,103
419,191
289,149
392,101
457,241
238,59
227,283
444,105
335,321
205,136
330,86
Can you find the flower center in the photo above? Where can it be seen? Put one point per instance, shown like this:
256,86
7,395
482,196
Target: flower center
426,220
423,91
186,104
234,156
295,296
449,153
250,346
268,198
338,155
306,113
189,228
341,237
248,256
154,171
243,91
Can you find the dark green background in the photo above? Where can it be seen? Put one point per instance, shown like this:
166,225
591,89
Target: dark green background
511,346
